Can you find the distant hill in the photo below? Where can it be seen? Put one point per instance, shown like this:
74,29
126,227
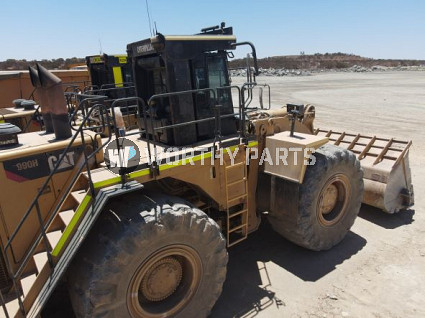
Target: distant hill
60,63
297,62
324,61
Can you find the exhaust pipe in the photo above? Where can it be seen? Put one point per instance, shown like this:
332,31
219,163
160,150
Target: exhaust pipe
45,109
52,85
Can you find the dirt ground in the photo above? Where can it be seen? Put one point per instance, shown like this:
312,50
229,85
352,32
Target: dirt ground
378,270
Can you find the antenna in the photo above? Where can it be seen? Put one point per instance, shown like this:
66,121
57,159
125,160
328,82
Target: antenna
100,47
149,17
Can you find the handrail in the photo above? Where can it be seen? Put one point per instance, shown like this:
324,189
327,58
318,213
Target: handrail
114,85
99,103
103,89
171,94
3,305
36,113
218,117
90,88
141,105
35,204
240,108
81,129
163,95
83,100
249,86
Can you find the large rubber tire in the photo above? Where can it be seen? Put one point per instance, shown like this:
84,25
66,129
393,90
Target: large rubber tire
103,277
309,227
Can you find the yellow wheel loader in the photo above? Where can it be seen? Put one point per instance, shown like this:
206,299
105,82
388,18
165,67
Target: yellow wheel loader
110,75
108,71
137,222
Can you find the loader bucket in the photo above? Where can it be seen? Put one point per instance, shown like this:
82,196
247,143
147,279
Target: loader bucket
385,162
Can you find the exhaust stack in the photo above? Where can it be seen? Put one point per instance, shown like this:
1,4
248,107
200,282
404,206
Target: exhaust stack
52,86
46,113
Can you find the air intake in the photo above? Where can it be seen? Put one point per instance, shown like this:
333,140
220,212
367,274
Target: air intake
9,135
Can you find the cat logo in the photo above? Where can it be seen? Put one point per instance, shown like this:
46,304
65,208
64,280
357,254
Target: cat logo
67,162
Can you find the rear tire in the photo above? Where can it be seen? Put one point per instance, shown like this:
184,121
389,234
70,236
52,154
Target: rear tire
134,264
328,203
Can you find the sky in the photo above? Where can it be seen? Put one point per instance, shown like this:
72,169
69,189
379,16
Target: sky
46,29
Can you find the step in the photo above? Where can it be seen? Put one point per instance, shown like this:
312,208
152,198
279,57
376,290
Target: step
12,306
236,165
79,195
236,182
237,200
53,238
235,173
235,190
232,215
57,225
40,260
27,282
81,183
30,268
234,242
66,216
41,279
236,228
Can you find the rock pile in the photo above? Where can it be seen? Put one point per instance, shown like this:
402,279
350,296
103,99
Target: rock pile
353,69
272,72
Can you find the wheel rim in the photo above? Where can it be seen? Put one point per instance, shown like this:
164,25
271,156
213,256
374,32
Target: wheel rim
165,283
333,200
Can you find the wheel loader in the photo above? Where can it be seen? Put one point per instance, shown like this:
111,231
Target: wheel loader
108,70
110,75
137,222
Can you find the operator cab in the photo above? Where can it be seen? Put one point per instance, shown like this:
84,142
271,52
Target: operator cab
167,64
110,75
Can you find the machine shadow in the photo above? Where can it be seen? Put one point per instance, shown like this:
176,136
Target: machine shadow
245,292
385,220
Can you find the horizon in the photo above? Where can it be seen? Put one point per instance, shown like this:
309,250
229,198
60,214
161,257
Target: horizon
242,57
378,30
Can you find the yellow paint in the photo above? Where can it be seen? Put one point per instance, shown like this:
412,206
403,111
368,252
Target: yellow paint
71,226
122,59
96,59
139,173
117,76
106,183
252,144
113,181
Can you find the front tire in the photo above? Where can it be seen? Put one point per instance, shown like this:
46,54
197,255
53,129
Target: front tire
152,256
329,201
